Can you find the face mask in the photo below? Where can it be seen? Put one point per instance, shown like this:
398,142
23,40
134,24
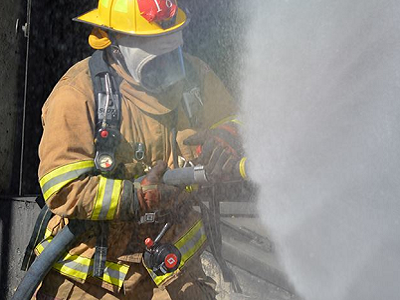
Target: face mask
156,63
163,71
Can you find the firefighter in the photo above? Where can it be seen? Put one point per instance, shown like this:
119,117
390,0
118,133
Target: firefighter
135,108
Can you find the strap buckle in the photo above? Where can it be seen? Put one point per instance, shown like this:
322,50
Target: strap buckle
148,218
159,216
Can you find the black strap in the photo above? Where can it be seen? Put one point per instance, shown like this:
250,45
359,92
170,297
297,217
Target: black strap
99,67
37,236
174,142
211,220
101,248
106,146
40,201
108,112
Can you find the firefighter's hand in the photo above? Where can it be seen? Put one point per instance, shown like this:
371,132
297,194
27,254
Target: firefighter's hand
153,194
221,151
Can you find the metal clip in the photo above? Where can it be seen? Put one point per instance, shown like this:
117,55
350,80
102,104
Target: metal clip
196,92
183,163
139,151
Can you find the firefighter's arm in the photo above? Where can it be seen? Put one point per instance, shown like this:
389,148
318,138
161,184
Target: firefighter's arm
66,171
221,144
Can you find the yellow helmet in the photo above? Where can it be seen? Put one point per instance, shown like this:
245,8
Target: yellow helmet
137,17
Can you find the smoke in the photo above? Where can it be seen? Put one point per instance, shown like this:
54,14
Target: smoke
321,103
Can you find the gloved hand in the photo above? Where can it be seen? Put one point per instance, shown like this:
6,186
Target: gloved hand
221,151
152,193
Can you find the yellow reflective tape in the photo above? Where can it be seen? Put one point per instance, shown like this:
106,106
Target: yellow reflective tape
78,259
114,199
39,248
60,265
194,249
160,279
63,269
227,120
242,167
53,181
189,235
64,169
73,266
47,234
107,199
115,281
98,202
121,270
56,188
118,267
187,255
121,6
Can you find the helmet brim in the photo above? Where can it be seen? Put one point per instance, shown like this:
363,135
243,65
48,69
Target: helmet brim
92,18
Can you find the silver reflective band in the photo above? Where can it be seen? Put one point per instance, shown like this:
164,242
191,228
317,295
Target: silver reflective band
199,174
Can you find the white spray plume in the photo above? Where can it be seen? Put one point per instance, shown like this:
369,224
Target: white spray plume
321,103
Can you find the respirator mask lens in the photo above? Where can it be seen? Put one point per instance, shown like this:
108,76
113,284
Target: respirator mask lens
163,71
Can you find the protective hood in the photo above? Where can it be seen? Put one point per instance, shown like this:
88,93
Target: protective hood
155,63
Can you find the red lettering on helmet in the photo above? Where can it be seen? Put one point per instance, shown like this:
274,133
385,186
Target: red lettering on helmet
157,10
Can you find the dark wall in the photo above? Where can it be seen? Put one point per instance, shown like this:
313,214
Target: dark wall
12,58
17,217
56,43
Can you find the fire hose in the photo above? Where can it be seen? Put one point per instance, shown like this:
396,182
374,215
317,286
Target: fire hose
53,252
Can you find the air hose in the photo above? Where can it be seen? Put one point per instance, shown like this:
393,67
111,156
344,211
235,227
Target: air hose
51,254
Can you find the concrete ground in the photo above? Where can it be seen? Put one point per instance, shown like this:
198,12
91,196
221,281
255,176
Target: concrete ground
254,288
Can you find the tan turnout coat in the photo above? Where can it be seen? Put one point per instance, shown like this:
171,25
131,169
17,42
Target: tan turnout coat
68,143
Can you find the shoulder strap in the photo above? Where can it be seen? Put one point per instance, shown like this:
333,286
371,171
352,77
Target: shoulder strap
98,69
108,112
37,236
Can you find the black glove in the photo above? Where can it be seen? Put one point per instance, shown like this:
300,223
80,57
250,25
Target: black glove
221,151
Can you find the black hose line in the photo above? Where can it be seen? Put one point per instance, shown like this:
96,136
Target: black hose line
51,254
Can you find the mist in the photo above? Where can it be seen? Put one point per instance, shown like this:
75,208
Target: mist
321,105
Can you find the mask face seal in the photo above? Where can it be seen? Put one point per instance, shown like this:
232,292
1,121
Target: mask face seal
155,63
163,71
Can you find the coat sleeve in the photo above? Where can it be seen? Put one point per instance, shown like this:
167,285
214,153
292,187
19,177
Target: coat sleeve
218,106
218,103
66,170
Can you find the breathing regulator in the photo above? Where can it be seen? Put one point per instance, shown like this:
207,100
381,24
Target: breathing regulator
161,258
